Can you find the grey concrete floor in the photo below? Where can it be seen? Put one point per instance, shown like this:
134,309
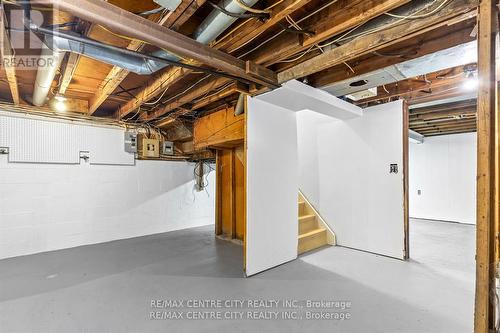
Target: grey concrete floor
108,287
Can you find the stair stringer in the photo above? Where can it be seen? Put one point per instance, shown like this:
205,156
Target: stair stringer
331,239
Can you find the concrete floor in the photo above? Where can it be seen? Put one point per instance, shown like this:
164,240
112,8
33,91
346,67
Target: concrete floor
108,287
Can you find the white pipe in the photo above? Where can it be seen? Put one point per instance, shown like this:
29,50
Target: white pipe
46,74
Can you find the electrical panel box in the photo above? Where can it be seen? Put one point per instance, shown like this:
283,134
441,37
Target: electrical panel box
149,147
130,142
167,148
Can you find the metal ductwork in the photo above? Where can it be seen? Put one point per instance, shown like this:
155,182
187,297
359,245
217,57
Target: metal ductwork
452,57
214,25
45,75
456,56
217,22
136,64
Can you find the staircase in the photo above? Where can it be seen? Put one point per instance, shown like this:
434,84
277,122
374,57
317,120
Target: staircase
313,231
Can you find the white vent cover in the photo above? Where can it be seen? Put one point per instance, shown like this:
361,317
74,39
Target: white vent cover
363,94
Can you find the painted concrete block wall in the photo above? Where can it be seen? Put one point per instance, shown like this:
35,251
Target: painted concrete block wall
48,206
344,172
443,168
272,186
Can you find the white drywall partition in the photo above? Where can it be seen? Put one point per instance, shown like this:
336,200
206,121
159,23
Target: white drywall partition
297,96
443,178
344,172
48,206
272,188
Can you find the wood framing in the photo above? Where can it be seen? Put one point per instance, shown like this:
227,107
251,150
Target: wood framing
173,20
458,10
199,91
230,194
220,130
120,20
435,40
485,308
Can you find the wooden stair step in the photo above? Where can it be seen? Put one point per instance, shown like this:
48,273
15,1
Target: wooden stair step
302,208
312,240
307,223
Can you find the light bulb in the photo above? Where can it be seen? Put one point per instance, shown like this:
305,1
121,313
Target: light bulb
60,106
470,84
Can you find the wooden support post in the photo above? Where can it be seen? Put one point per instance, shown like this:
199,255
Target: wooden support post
484,314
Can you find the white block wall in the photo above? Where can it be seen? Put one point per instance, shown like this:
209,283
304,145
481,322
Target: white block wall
48,206
443,168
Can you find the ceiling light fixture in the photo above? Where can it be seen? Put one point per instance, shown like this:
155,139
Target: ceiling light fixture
471,82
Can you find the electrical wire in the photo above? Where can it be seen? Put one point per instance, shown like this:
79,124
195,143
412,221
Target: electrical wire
159,98
237,15
298,57
186,90
242,5
282,31
271,38
391,24
412,16
347,35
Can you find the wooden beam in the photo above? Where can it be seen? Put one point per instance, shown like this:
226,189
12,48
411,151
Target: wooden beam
172,118
8,58
450,132
485,310
125,22
333,20
457,10
349,16
428,43
414,89
234,88
116,75
241,37
449,124
69,70
253,28
186,98
220,130
466,104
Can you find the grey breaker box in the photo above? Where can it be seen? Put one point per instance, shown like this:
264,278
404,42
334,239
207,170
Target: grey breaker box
130,142
167,148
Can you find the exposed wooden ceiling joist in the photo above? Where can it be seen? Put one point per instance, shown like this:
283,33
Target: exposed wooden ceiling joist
344,20
173,21
423,88
253,28
337,17
439,39
444,118
406,29
120,20
184,99
230,43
